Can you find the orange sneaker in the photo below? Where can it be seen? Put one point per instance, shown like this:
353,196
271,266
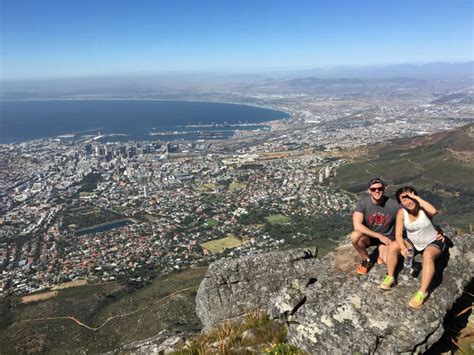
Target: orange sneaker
364,267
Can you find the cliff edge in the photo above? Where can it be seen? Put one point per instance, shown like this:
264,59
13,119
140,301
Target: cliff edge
328,307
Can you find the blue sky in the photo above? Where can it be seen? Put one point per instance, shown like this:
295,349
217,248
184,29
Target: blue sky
74,38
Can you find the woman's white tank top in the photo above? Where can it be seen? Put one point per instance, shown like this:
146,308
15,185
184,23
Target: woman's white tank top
421,231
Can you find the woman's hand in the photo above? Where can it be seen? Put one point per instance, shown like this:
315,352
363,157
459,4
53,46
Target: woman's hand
404,252
412,196
440,236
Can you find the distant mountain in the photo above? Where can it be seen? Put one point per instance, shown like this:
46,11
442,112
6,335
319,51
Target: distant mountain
307,82
436,71
443,158
151,83
456,98
455,140
318,81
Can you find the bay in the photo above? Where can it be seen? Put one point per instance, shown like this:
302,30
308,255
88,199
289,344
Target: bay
134,119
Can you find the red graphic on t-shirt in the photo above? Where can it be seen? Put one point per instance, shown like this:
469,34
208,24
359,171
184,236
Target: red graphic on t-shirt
379,219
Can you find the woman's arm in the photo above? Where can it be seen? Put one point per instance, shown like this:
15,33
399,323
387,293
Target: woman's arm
425,205
399,232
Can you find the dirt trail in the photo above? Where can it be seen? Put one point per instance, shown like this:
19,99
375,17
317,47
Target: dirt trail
438,182
78,322
416,165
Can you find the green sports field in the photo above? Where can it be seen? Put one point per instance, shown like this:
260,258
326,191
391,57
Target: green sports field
278,219
218,245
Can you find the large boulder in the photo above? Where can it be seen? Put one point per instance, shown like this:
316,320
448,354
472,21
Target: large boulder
235,287
328,307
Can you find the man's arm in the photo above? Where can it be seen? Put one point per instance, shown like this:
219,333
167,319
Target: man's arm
358,221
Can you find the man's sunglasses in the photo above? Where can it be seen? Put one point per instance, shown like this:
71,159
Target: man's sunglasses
373,189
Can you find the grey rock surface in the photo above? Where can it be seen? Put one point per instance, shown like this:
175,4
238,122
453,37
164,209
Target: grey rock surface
331,309
235,287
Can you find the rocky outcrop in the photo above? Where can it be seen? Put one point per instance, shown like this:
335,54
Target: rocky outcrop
233,288
327,307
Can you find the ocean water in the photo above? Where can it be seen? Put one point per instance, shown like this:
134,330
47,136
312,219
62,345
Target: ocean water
134,119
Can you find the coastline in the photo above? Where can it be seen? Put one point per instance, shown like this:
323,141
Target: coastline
150,99
268,123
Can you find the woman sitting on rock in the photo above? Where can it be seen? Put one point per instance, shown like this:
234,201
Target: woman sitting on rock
421,236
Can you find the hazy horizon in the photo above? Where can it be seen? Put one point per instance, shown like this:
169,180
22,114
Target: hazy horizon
332,71
140,82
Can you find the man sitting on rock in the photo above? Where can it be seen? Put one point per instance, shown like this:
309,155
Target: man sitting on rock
374,224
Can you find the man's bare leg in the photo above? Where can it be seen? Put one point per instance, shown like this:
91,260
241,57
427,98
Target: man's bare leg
383,252
360,242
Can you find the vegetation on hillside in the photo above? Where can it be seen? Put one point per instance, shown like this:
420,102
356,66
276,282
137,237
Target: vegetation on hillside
89,182
89,216
110,315
257,334
432,165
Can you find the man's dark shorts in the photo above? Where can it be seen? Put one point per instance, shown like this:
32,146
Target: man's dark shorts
441,245
376,242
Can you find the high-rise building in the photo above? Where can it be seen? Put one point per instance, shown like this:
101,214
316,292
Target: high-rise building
321,178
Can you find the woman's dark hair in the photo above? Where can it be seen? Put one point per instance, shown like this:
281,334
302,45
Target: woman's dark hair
403,189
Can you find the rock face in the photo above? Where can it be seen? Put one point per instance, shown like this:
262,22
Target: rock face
328,308
232,288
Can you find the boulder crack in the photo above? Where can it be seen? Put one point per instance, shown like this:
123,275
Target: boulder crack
425,341
298,305
307,254
220,297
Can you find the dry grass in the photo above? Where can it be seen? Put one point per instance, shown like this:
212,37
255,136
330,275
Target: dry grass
39,297
256,334
75,283
218,245
235,185
465,340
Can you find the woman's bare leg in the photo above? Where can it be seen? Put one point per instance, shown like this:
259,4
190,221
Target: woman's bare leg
430,255
392,258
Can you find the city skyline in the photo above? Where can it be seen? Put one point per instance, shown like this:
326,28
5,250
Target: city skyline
54,39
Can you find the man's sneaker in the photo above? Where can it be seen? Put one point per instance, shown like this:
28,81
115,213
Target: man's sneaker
364,267
387,282
418,299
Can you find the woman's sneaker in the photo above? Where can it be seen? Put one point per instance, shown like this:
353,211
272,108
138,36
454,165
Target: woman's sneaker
418,299
387,283
364,267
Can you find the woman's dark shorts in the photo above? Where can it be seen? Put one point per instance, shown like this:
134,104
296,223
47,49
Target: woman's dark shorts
441,245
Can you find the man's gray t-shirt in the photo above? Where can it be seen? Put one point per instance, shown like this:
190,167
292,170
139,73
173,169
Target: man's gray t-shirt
379,218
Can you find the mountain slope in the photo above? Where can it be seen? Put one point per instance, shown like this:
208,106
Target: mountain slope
440,165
